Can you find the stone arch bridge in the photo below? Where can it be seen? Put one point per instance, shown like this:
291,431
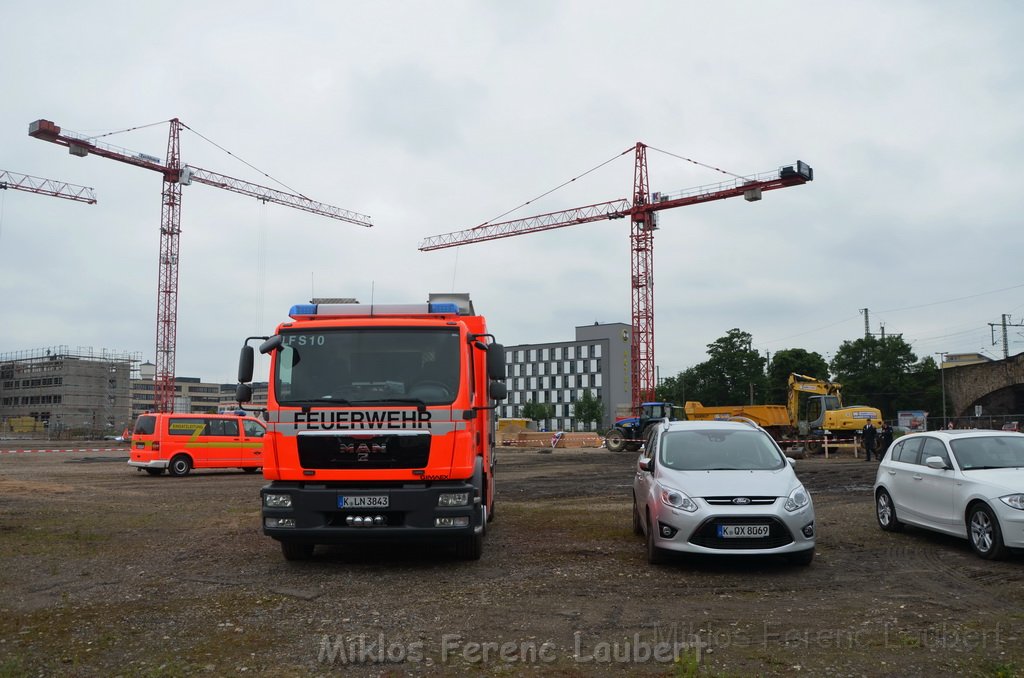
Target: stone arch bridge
997,386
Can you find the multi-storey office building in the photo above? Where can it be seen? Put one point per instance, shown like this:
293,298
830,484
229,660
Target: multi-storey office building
558,373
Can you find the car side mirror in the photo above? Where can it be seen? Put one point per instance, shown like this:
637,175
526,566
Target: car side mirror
792,462
644,465
937,463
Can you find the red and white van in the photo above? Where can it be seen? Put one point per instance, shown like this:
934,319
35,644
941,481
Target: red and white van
181,442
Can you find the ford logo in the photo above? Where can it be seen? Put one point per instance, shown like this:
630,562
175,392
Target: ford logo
741,500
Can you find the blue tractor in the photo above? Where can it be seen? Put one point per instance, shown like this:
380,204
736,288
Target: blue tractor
629,433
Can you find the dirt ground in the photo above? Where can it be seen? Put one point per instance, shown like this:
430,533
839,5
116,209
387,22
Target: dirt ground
105,571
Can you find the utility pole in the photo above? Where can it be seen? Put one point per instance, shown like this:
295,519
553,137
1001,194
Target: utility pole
867,323
1005,323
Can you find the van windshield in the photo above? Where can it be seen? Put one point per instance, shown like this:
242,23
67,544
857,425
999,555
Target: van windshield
367,365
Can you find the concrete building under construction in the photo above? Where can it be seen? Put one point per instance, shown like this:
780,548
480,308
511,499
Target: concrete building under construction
61,392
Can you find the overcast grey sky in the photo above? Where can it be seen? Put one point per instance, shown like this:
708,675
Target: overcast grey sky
436,116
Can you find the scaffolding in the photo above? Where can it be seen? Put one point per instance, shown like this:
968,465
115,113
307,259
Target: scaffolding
58,392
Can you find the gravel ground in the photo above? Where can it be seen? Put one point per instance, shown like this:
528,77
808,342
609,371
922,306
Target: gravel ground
106,571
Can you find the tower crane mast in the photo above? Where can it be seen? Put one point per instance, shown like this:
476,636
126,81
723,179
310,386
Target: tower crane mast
174,176
641,212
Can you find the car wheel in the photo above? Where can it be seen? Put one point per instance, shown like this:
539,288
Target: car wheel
638,528
614,440
885,511
984,533
297,550
801,557
154,471
655,555
179,466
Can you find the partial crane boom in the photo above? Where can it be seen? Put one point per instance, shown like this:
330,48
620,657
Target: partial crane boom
190,173
175,175
643,224
51,187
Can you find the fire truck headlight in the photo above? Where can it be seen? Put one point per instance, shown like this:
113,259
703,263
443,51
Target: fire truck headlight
453,499
279,522
455,521
277,500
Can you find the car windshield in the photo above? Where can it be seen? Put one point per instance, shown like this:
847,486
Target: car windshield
368,366
983,452
719,450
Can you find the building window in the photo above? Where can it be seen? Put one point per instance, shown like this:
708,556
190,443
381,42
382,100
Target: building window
570,381
570,352
585,380
597,380
597,350
533,355
558,353
595,366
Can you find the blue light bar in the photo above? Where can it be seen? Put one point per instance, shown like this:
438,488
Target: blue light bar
302,309
444,307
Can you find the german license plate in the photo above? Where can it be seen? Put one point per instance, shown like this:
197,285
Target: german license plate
363,501
733,531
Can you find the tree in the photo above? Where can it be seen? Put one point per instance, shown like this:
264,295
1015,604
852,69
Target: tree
788,361
588,409
733,373
875,371
538,411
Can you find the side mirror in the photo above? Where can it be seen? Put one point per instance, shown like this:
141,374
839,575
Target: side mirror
272,343
495,361
792,462
644,465
497,390
243,393
937,463
245,365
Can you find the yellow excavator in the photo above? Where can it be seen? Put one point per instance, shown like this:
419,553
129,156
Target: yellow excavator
822,410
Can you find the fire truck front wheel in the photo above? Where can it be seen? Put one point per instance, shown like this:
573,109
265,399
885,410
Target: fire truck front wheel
295,550
472,547
180,465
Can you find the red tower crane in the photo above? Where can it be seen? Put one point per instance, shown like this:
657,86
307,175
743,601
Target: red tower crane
174,176
642,216
52,187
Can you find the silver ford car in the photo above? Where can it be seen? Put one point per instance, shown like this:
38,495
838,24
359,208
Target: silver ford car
720,487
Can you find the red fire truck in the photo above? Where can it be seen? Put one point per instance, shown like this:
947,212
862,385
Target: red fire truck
380,424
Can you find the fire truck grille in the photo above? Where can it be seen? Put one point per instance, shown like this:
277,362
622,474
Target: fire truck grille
363,452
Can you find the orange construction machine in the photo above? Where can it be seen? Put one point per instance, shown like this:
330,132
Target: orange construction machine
380,424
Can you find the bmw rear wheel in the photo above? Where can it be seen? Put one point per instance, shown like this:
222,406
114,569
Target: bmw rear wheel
885,511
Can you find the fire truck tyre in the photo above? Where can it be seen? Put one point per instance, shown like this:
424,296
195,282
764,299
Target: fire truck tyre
614,440
180,465
296,550
250,469
154,471
472,547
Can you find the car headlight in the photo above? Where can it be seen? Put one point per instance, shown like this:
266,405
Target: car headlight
677,499
797,499
1014,501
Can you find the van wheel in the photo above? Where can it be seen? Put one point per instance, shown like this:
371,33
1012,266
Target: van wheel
180,466
154,471
297,550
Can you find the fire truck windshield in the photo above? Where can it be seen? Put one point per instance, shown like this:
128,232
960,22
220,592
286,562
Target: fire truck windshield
367,365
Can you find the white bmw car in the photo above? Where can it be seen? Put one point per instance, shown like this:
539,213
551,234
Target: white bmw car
720,487
965,483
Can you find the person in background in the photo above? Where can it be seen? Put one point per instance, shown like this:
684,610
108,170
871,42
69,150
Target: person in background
884,438
869,440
